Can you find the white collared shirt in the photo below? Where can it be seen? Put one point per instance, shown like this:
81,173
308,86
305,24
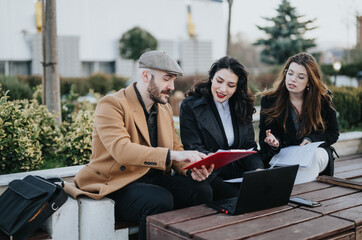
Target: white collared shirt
225,115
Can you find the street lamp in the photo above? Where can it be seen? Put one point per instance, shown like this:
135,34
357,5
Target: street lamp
336,67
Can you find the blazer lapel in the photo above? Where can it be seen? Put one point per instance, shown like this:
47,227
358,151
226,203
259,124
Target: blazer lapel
209,123
138,113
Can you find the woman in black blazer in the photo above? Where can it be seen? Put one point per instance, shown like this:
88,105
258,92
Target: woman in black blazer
298,111
217,114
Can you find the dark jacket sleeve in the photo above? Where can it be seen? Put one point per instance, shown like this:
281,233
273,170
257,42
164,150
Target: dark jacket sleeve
190,133
266,151
331,134
253,161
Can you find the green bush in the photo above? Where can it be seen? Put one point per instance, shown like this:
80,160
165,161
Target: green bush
28,134
76,146
118,82
32,80
347,101
81,85
15,88
349,70
100,82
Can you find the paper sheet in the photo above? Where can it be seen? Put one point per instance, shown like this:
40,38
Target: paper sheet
234,180
302,155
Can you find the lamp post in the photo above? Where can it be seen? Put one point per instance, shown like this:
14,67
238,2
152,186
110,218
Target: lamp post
336,67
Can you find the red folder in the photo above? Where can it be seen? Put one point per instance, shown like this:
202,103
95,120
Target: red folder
220,159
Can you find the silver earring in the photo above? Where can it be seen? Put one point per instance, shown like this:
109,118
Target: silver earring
307,88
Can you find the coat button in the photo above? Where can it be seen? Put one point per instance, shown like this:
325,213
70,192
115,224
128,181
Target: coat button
122,168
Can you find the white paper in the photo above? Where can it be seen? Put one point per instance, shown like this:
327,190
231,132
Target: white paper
234,180
235,150
302,155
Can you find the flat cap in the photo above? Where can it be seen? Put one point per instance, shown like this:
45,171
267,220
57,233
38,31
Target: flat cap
160,61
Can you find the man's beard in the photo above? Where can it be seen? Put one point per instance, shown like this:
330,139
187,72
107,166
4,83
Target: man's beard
155,93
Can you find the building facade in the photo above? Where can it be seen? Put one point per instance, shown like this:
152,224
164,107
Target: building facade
89,31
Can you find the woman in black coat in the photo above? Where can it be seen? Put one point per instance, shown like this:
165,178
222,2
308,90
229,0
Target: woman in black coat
217,114
298,111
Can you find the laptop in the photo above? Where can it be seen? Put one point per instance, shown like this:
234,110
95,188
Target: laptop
260,190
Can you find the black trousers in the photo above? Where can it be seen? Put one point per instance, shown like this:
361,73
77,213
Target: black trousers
154,194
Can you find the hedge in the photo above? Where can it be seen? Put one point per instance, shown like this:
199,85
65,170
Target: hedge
22,87
348,104
349,70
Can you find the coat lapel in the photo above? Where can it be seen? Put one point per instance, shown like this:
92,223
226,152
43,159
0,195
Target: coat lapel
209,123
138,113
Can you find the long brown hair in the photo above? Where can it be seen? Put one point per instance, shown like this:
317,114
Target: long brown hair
310,117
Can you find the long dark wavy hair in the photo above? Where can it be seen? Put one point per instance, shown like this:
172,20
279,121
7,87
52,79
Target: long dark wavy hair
242,100
310,116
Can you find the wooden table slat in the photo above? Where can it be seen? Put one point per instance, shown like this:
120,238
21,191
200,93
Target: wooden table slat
319,228
164,219
348,167
309,187
350,159
220,220
352,214
349,174
157,232
338,204
328,193
351,235
258,226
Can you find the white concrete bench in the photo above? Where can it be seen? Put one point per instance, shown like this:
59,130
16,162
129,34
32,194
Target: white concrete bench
85,218
349,143
64,223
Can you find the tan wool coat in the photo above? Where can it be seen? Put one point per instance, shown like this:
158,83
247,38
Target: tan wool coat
121,148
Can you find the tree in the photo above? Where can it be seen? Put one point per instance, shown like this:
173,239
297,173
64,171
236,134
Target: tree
244,51
51,82
285,36
135,42
228,39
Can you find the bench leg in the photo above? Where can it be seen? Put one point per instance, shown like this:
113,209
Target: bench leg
96,219
63,224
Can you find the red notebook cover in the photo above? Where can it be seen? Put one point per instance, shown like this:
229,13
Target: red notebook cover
220,159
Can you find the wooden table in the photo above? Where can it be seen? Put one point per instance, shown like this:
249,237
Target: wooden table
339,217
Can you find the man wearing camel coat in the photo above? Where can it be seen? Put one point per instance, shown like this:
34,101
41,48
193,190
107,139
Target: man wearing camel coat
135,146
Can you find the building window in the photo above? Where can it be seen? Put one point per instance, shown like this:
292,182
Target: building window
2,68
19,68
88,68
107,67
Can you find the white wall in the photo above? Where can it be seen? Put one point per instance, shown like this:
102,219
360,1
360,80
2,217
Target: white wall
16,17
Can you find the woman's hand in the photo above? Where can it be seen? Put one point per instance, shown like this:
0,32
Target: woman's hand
271,139
201,174
305,142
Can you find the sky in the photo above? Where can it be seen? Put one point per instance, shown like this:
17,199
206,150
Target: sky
335,19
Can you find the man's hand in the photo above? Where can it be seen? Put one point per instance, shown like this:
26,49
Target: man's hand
201,174
271,139
186,156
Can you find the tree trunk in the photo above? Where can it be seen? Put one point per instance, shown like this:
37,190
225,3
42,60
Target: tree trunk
51,84
228,33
